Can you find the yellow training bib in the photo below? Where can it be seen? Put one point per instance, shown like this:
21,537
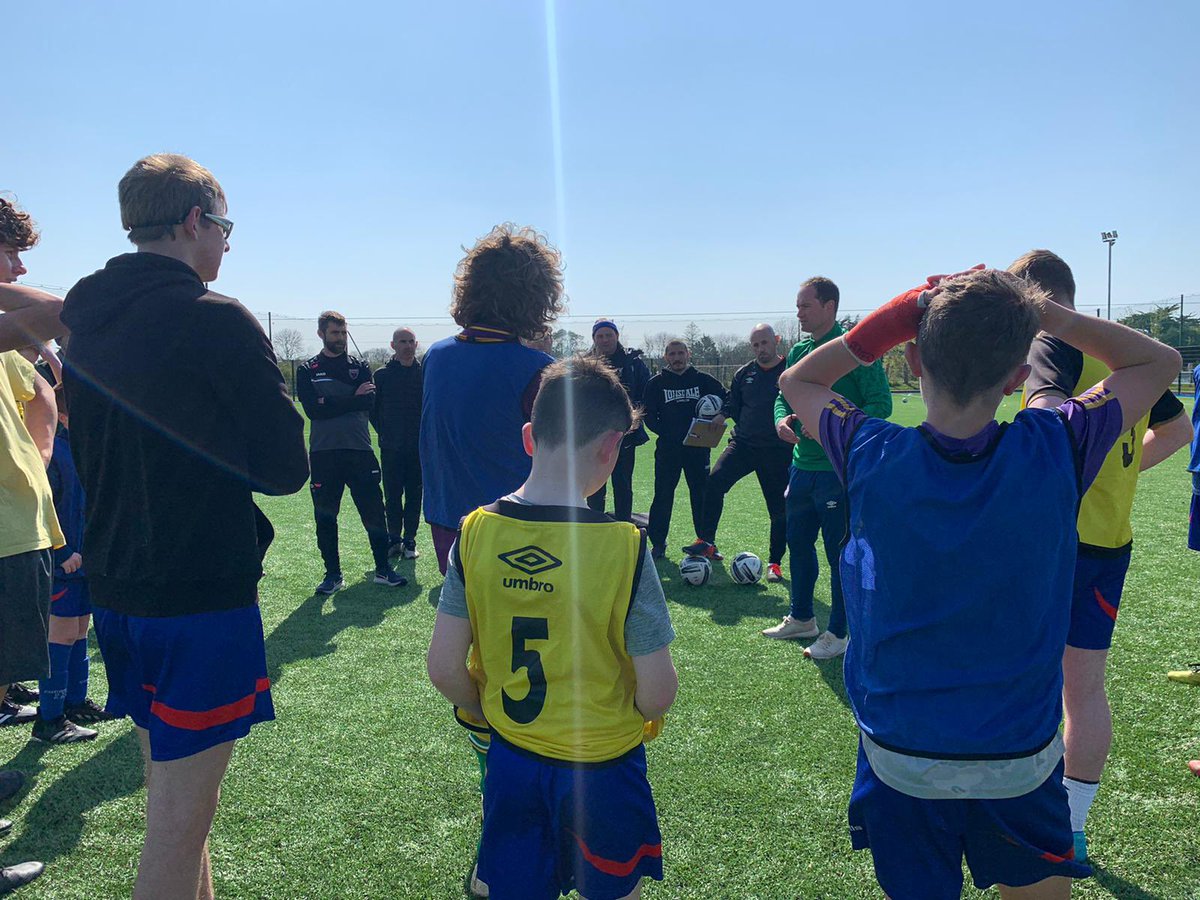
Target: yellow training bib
548,595
1106,507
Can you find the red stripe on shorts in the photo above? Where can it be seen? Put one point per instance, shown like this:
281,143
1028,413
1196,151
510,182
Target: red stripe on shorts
612,866
59,595
1108,609
198,720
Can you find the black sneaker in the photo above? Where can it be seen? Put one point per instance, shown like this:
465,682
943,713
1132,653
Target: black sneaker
23,693
87,712
331,585
390,577
61,731
13,877
410,550
703,548
15,714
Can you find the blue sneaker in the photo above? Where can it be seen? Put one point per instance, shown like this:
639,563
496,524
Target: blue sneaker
1080,847
331,585
390,577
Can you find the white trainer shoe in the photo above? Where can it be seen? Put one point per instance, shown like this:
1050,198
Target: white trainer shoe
827,646
790,628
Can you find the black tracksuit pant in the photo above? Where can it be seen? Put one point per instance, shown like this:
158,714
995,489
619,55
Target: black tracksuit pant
770,464
622,483
402,490
332,472
669,461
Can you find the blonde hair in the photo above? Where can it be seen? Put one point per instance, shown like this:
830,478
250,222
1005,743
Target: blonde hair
159,191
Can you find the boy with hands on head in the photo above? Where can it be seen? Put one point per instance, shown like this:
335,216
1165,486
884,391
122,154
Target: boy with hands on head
959,749
567,628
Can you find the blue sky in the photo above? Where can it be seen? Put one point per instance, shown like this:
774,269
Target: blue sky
712,156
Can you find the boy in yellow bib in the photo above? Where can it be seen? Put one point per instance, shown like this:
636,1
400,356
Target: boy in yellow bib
567,628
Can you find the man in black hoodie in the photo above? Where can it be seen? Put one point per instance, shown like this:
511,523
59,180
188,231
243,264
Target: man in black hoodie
634,375
669,406
170,444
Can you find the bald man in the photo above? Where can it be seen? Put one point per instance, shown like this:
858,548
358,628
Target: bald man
397,420
755,447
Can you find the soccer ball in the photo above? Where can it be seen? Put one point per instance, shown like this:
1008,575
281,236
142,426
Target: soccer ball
695,570
708,406
746,568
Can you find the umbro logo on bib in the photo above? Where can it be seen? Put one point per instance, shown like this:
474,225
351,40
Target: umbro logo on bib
530,559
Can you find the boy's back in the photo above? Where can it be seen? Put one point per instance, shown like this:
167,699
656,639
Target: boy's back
563,614
549,591
957,651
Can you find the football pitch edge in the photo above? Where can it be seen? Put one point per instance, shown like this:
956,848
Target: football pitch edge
365,787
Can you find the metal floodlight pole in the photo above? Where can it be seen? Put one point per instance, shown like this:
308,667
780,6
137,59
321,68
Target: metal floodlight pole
1110,238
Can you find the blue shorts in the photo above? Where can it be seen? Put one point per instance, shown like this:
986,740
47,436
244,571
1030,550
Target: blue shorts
551,828
69,599
192,681
918,845
1194,514
1099,581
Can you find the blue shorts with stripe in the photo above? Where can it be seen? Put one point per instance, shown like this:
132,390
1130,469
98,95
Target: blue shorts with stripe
192,681
550,827
1099,583
69,599
918,845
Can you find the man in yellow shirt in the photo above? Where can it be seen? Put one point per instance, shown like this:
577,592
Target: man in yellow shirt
28,526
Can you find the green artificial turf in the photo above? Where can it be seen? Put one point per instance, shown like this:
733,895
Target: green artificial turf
364,786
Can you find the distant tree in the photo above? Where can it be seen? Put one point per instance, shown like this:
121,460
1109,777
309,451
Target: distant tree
895,366
704,351
568,343
378,356
692,335
1162,323
789,333
655,345
289,344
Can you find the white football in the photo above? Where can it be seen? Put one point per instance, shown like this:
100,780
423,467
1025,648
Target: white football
708,406
746,568
695,570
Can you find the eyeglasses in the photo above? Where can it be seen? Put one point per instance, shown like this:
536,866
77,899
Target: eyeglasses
226,225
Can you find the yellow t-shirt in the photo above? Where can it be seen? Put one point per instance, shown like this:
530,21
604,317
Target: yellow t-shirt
1104,512
548,601
27,519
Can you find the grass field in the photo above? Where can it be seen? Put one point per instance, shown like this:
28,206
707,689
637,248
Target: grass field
364,787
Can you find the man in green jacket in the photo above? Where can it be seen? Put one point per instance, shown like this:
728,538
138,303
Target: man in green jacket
815,497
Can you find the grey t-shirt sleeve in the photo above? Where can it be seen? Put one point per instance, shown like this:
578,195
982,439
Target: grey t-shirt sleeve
454,592
648,626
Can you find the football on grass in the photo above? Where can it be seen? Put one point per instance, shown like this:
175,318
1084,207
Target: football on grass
695,570
746,568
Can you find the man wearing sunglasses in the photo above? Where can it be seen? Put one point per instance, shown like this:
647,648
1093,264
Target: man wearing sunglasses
169,447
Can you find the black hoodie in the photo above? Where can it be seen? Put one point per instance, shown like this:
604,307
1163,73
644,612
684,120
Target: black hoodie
178,412
670,402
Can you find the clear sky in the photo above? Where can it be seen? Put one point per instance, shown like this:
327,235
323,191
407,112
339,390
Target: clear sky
712,156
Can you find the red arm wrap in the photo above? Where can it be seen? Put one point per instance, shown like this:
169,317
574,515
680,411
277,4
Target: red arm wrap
889,326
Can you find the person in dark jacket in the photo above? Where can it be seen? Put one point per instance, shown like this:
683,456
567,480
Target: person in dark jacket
338,396
397,420
634,375
670,403
170,445
755,447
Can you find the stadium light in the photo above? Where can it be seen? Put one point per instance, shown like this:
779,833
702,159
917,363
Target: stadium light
1110,238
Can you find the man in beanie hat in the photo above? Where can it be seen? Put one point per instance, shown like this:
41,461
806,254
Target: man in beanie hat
634,375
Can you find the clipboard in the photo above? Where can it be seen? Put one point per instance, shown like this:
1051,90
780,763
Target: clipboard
704,433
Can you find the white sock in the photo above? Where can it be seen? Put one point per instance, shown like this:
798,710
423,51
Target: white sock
1080,795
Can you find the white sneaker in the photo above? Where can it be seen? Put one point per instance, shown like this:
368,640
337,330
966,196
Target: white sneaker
791,628
827,646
